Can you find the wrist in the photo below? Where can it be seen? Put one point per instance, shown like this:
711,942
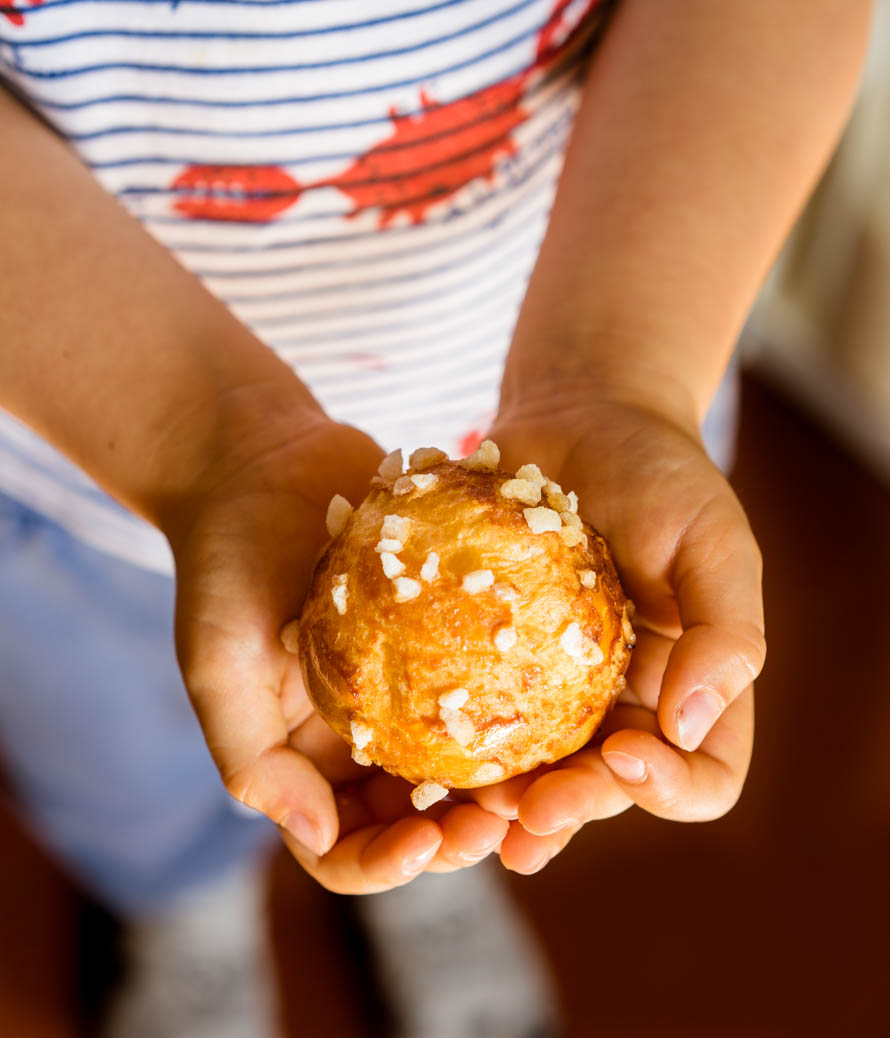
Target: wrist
274,487
240,406
584,370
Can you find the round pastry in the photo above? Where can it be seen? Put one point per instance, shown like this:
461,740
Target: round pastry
464,624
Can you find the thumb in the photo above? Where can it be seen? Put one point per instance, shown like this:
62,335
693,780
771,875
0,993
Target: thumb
234,678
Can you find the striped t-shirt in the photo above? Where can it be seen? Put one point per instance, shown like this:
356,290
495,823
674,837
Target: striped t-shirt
364,184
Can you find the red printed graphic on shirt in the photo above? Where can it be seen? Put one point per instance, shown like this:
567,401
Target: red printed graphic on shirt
253,194
10,9
469,442
428,157
369,361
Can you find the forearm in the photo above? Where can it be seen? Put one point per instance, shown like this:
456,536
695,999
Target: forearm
702,129
108,347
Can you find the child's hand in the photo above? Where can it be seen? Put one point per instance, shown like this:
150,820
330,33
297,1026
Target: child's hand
245,546
679,740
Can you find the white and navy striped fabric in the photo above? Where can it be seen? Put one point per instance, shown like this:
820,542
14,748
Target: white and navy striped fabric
365,183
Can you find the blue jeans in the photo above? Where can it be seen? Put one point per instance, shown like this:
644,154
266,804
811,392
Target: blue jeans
97,738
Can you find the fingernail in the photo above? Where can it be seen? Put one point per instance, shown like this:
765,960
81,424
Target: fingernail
419,861
626,767
471,857
696,716
305,831
541,863
564,823
508,814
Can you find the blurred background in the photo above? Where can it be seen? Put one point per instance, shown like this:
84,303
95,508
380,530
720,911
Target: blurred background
771,921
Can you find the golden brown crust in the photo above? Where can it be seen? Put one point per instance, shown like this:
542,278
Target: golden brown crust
382,664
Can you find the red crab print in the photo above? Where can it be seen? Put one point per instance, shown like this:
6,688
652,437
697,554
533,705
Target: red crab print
17,17
251,194
433,154
428,157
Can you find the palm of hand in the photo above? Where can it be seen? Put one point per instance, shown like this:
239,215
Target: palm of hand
688,560
244,554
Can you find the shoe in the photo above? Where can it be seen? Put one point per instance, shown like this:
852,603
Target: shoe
201,969
454,959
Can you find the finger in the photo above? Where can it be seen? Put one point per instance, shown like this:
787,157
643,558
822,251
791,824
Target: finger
317,741
295,703
686,787
469,834
373,859
647,667
628,715
287,788
352,812
247,738
233,684
387,797
578,790
717,579
525,853
502,798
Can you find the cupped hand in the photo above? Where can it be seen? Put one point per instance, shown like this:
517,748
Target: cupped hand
679,740
245,544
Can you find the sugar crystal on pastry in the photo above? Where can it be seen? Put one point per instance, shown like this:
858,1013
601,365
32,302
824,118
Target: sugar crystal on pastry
361,734
458,725
339,511
572,536
406,589
478,580
505,638
396,526
427,794
532,474
426,457
542,520
340,593
424,481
403,485
523,490
430,568
391,466
485,458
392,565
454,699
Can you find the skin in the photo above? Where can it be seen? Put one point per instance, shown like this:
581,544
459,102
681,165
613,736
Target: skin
702,129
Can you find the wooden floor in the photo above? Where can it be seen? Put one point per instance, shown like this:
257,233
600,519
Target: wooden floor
771,921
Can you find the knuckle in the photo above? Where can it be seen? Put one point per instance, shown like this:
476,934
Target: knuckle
238,786
751,650
240,783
